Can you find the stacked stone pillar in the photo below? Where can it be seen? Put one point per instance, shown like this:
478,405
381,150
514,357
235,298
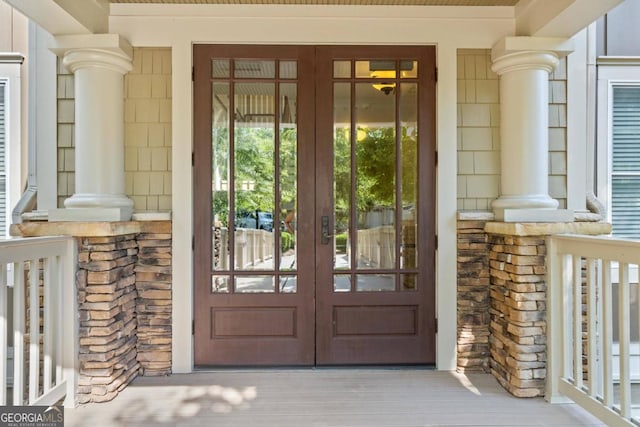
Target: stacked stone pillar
107,295
123,283
153,308
518,328
473,293
518,313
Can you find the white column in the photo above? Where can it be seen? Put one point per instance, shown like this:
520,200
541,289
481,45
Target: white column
524,64
98,63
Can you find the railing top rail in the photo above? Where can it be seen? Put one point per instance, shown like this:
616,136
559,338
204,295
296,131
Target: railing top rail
22,249
599,247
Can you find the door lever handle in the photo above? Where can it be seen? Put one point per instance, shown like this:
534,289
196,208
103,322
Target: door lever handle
326,236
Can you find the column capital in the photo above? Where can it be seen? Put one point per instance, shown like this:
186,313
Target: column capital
110,51
529,53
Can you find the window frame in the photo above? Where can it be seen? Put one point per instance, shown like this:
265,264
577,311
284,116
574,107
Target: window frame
612,73
10,76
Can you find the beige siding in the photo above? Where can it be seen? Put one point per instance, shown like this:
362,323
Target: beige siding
558,134
479,132
147,131
66,141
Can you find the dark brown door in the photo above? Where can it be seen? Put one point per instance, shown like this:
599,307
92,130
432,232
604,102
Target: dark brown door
254,149
375,159
314,212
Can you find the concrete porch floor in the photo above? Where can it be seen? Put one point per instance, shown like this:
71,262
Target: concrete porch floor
324,397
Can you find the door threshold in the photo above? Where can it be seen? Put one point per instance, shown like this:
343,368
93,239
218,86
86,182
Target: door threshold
200,369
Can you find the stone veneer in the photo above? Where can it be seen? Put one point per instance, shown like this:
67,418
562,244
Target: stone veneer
153,307
124,285
106,285
501,302
473,293
518,300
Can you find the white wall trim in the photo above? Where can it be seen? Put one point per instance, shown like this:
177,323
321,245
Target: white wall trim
180,33
577,123
161,31
43,116
182,196
446,200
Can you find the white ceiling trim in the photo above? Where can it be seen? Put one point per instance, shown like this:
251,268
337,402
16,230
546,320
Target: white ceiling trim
313,11
560,18
335,2
66,16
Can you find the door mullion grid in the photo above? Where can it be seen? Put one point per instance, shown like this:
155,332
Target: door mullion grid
275,229
353,229
232,182
398,213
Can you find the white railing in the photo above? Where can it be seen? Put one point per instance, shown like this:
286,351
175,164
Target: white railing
38,272
587,307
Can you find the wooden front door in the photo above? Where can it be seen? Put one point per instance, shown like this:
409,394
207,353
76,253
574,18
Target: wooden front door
314,172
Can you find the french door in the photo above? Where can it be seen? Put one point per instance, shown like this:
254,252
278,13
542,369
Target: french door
314,172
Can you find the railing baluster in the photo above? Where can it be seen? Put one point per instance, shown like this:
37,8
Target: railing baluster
624,338
49,327
555,293
566,311
59,319
592,342
577,320
607,334
19,313
3,334
34,330
600,336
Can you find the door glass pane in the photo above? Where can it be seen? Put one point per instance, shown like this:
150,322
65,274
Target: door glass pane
409,282
375,282
341,69
408,69
288,69
409,163
220,284
342,174
288,176
255,284
254,195
220,68
220,176
288,284
342,283
376,69
254,69
375,177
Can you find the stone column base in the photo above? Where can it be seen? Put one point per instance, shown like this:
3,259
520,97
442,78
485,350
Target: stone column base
518,324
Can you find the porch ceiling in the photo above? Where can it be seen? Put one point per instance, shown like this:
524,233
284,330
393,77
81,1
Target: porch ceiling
339,2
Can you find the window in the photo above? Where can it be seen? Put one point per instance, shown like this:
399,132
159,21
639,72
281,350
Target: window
625,161
3,169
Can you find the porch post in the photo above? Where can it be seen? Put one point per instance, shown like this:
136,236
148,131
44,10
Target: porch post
98,63
524,64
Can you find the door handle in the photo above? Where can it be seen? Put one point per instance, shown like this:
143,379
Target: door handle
326,236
